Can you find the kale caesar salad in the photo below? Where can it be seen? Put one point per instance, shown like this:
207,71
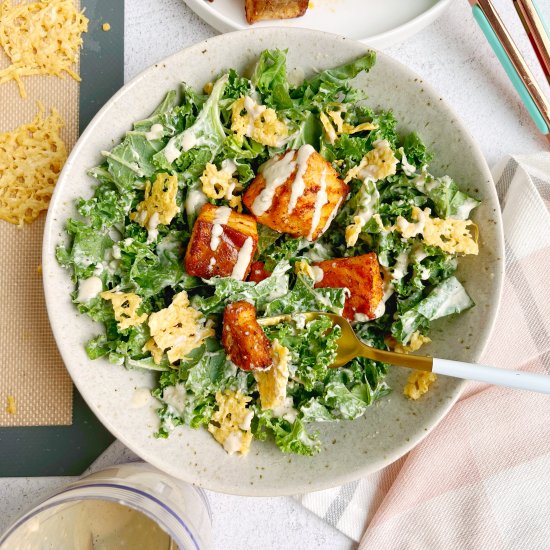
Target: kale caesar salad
253,198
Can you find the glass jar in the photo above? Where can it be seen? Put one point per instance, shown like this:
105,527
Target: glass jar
126,506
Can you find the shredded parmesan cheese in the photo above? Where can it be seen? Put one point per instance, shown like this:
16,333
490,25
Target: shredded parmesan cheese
40,38
418,384
377,164
452,236
301,267
154,350
258,122
178,329
31,158
125,306
335,125
159,204
415,343
230,424
11,408
353,230
220,184
272,383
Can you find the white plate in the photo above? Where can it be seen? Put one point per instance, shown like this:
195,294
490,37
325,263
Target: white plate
378,23
351,449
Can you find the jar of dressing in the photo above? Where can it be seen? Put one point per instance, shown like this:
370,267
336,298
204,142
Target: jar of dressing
133,506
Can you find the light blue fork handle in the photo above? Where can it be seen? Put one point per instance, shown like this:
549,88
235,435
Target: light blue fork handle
508,66
500,377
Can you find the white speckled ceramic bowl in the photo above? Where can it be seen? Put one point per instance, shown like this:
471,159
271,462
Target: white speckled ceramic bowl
351,449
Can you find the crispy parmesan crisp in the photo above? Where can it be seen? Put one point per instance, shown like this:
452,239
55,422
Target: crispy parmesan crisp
31,158
40,38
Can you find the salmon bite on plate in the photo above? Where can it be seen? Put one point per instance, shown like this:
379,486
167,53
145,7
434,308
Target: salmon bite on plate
297,192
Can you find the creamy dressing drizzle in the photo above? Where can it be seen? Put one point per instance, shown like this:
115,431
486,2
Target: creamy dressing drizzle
254,111
221,217
152,225
275,172
320,200
332,216
286,410
194,201
243,259
188,140
89,288
298,185
233,442
408,168
155,132
400,268
411,229
171,152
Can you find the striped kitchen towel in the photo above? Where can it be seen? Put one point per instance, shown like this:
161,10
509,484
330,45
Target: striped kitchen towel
481,479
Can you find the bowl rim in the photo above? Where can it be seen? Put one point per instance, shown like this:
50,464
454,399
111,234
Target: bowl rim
49,264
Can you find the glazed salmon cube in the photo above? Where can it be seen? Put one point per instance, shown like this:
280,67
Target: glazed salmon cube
223,243
259,10
297,192
361,276
243,339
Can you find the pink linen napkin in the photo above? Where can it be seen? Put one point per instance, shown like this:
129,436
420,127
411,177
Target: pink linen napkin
481,479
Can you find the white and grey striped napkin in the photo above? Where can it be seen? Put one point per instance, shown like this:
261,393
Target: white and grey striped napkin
372,508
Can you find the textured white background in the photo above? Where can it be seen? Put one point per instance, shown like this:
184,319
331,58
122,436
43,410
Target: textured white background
454,57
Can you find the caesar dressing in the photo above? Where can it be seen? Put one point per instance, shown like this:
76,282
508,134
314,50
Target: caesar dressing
171,152
221,218
140,398
87,524
243,259
318,273
275,172
320,200
408,168
332,216
195,200
88,289
401,264
254,111
298,185
152,227
233,442
156,132
175,397
286,410
245,424
411,229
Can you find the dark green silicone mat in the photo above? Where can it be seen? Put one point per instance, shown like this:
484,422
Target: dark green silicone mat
69,450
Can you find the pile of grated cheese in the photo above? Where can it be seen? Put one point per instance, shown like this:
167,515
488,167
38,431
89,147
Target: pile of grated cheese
379,163
40,38
418,384
335,125
159,204
450,235
125,306
230,424
31,158
257,122
220,184
177,330
272,383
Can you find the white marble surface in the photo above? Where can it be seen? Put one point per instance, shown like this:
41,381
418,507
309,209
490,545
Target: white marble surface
454,57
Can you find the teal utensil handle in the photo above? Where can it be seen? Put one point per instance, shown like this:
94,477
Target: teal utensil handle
508,66
539,13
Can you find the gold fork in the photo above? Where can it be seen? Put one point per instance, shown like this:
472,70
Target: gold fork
349,347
